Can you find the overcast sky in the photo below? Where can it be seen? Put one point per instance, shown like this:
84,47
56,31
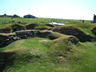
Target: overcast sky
66,9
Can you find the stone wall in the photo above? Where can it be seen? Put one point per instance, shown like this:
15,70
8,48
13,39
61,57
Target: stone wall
75,32
17,27
5,30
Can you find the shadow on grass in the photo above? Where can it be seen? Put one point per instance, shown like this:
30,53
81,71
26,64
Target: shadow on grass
6,59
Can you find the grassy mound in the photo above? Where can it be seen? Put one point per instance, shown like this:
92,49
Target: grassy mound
30,54
44,55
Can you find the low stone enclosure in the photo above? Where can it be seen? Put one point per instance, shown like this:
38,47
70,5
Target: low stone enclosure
7,39
28,31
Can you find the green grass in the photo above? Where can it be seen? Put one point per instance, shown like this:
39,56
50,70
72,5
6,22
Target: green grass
41,55
88,63
86,27
44,55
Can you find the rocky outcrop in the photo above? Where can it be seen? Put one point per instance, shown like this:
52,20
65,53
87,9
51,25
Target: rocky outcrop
5,40
27,34
24,34
17,27
75,32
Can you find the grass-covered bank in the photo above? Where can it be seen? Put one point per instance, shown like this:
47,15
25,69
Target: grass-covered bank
88,63
36,52
48,51
44,55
